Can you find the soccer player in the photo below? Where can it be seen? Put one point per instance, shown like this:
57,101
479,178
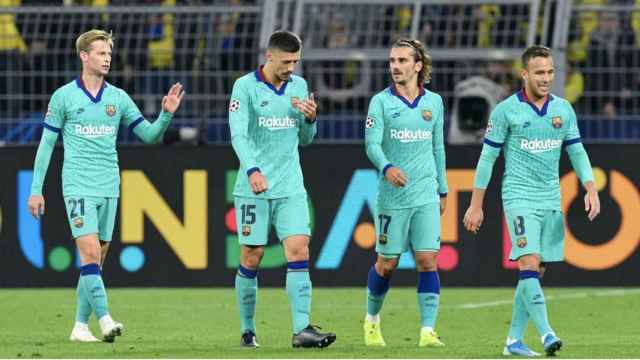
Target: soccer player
88,112
270,114
532,125
404,140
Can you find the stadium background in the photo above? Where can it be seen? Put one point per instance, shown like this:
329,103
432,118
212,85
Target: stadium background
174,225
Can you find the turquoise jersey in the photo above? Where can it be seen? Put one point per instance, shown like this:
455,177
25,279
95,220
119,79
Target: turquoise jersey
266,131
89,129
532,139
408,136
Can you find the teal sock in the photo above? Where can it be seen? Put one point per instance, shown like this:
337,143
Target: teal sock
377,288
299,292
246,294
83,306
534,301
519,316
428,297
91,281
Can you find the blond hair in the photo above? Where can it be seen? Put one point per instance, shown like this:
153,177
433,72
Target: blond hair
84,41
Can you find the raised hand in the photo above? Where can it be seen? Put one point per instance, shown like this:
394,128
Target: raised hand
171,102
307,106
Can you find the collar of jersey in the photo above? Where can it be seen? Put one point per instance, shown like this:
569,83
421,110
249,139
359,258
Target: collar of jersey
522,96
98,97
415,102
261,78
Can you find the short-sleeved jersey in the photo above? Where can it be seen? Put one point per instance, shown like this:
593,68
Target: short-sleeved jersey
532,139
265,130
411,138
89,128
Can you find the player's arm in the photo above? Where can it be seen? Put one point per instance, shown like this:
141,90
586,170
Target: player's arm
440,158
53,122
308,127
497,130
239,113
151,133
582,166
373,135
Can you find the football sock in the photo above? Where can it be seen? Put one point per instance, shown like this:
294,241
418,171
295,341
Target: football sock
534,301
93,286
428,297
299,292
246,294
520,315
83,306
377,288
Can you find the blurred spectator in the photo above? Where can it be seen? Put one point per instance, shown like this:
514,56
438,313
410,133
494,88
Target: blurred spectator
607,83
13,50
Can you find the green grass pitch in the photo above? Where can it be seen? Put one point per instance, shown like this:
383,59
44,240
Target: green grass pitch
202,323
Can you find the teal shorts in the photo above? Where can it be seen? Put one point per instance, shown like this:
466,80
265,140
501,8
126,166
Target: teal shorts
396,229
536,232
91,215
289,216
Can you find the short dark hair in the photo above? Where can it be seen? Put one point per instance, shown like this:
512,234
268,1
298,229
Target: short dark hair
533,52
286,41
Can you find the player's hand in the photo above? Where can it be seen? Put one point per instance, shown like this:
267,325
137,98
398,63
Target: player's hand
171,102
36,205
396,177
592,204
258,182
473,219
307,106
443,204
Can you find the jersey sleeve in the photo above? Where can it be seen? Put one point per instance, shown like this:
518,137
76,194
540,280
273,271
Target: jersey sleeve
497,128
374,133
573,133
239,113
439,152
55,117
131,114
576,151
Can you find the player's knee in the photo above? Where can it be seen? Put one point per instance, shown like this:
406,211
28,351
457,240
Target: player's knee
251,256
385,267
427,262
529,262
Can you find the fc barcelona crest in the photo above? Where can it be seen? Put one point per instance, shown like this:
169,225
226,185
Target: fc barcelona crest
522,242
556,121
78,222
426,115
382,239
111,110
246,230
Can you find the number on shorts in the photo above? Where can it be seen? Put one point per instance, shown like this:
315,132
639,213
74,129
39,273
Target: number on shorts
518,225
248,214
74,206
384,219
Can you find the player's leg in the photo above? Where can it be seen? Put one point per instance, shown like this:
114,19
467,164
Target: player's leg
107,209
552,250
252,219
82,219
291,220
424,236
392,228
524,230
